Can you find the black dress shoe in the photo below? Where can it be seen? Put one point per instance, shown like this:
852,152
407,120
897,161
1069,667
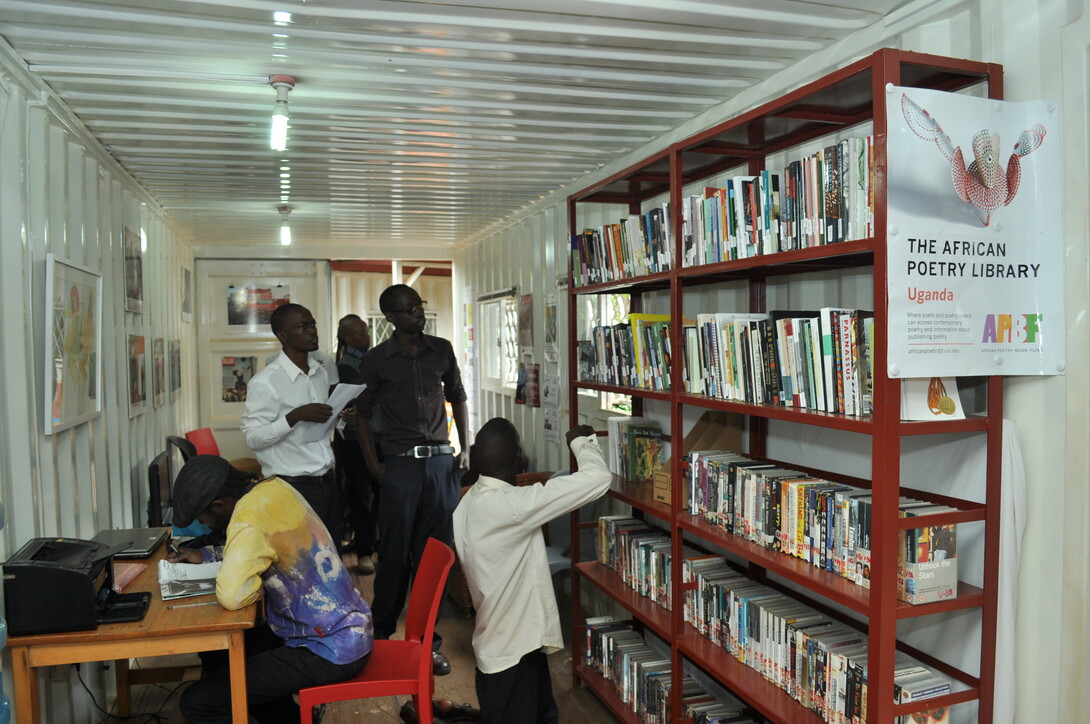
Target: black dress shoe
440,666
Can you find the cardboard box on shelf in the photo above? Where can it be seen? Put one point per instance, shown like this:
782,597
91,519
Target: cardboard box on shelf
715,430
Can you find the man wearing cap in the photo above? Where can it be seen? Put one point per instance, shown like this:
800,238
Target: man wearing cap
321,628
294,388
409,376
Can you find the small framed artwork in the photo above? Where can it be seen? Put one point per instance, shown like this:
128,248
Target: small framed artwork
134,270
187,294
73,345
158,371
138,391
175,355
235,374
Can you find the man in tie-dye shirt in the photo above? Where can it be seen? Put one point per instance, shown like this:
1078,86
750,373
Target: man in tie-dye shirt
276,544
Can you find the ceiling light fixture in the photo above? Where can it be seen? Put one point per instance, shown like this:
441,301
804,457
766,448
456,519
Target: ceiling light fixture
285,227
278,138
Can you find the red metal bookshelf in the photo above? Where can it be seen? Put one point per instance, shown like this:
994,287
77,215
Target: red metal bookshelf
849,96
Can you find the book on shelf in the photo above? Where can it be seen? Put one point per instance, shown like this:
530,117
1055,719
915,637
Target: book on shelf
181,580
638,245
645,451
823,198
929,553
806,359
619,442
931,398
914,682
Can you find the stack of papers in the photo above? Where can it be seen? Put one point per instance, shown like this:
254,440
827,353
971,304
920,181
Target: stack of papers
180,580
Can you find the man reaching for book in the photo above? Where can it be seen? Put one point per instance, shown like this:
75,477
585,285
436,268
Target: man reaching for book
319,629
497,529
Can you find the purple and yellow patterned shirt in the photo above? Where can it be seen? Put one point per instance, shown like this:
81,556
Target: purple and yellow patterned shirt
276,542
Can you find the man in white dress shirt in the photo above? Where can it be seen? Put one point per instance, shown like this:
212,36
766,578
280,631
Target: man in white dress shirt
294,388
497,530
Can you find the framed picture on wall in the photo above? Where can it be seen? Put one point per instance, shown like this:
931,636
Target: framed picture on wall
73,344
134,270
236,371
158,371
138,391
175,355
187,295
249,307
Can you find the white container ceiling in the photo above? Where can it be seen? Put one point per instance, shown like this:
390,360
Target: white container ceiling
412,123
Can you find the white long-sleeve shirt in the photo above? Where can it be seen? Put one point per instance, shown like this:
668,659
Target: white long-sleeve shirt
270,396
497,531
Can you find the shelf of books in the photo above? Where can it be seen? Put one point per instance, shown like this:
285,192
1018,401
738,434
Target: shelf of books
782,583
653,616
750,685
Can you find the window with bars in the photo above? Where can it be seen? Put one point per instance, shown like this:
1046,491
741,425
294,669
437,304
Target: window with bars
381,328
499,348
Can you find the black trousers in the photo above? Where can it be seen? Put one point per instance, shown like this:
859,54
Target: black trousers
523,693
418,501
273,673
363,492
320,491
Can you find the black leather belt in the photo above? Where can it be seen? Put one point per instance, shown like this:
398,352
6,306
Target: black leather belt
304,479
427,451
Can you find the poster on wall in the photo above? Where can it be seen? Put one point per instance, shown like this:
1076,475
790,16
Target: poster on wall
187,295
175,354
73,349
552,337
249,308
158,371
552,425
975,245
236,373
526,323
533,386
520,386
550,386
138,391
134,270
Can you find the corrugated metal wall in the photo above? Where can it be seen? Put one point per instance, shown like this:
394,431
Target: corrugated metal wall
60,193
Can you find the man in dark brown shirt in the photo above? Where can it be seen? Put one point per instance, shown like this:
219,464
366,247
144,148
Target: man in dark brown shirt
409,376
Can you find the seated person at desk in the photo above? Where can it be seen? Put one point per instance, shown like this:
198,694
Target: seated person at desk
321,628
497,530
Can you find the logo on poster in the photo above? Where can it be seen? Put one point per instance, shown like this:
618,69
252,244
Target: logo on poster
1012,328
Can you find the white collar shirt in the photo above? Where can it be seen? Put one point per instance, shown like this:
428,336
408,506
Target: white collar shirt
497,531
270,396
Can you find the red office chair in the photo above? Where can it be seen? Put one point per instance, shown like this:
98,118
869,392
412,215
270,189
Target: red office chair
204,441
398,667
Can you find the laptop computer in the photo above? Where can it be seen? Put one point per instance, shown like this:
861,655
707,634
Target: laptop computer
142,542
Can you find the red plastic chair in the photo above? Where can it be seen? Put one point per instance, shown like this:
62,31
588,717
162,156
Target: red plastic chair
204,441
398,667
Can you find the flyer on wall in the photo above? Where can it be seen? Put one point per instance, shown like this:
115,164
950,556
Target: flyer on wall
975,247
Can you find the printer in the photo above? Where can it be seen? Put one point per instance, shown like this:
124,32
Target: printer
57,584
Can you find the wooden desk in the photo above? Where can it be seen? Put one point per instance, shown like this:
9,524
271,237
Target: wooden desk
164,631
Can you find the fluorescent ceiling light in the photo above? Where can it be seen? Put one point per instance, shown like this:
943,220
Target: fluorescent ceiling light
278,134
285,227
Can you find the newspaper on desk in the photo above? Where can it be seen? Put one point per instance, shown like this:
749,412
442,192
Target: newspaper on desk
181,580
340,397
